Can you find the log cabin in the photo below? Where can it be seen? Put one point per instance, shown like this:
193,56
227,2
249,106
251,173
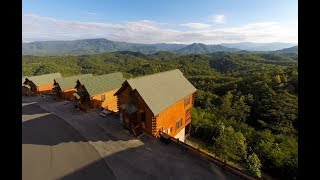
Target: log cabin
25,88
41,83
64,87
157,102
98,91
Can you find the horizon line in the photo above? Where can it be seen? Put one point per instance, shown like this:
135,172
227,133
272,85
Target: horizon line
296,43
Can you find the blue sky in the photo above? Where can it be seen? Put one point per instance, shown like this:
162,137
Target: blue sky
165,21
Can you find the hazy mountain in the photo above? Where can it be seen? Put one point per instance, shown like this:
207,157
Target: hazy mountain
96,46
92,46
169,47
291,50
249,46
198,48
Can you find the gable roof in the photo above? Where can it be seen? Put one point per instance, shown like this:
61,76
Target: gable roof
44,79
162,90
23,79
69,82
102,83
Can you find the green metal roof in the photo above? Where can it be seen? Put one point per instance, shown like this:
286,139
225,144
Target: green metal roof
102,83
44,79
162,90
69,82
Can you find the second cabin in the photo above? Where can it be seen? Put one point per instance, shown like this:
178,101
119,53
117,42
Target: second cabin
98,91
25,88
41,83
64,87
157,102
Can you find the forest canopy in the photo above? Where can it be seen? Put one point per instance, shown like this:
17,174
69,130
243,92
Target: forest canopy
246,106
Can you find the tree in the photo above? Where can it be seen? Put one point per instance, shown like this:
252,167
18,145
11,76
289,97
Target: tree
277,79
225,107
230,145
254,165
240,109
234,108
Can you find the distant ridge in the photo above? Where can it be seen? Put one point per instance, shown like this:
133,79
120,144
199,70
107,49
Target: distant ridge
249,46
291,50
91,46
198,48
101,45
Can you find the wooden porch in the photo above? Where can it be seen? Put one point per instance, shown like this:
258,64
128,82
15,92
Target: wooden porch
133,118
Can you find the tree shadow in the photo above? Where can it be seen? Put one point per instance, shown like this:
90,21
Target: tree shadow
152,160
32,108
157,161
90,172
50,129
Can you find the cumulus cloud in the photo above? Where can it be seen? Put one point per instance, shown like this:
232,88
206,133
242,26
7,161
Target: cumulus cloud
220,18
38,28
196,25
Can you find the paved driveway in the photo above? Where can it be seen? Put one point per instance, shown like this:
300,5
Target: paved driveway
52,149
128,157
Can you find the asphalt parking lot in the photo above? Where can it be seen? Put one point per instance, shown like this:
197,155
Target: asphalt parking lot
52,149
65,143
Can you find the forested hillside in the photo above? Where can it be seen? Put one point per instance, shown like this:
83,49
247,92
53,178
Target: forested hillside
198,48
92,46
246,106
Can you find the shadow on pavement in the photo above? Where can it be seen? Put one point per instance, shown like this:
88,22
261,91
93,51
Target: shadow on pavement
52,130
90,173
152,160
144,162
30,109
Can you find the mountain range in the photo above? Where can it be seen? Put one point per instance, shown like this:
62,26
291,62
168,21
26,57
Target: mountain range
96,46
292,50
249,46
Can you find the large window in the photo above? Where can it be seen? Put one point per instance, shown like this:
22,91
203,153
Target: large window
178,124
103,97
187,101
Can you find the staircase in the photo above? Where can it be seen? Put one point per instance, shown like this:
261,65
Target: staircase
137,130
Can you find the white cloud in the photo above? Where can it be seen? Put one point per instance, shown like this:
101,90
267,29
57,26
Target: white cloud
92,13
38,28
220,18
196,25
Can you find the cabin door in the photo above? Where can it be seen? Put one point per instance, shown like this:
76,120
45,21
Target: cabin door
125,119
143,119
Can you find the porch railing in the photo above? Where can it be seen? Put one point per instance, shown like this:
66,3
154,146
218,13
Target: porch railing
198,152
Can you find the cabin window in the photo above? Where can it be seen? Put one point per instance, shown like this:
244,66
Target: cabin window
178,124
187,101
169,130
103,97
143,116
